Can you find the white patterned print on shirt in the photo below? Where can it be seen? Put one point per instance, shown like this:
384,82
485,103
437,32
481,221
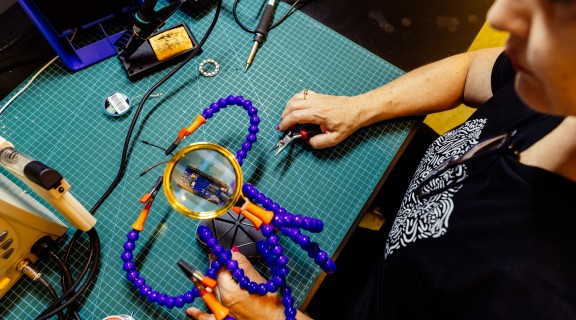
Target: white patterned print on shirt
428,218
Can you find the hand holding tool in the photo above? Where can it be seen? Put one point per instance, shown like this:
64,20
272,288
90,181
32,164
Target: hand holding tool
295,134
267,216
201,282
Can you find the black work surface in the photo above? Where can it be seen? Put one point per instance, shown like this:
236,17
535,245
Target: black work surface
407,33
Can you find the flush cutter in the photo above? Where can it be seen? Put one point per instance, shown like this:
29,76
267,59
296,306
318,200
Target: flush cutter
293,133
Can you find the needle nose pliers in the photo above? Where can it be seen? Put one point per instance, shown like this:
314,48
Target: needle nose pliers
294,133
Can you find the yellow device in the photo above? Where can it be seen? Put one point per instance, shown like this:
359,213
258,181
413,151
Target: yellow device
47,183
23,221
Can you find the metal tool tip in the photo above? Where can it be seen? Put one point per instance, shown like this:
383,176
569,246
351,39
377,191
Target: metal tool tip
247,66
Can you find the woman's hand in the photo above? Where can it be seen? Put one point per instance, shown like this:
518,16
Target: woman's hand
242,304
337,116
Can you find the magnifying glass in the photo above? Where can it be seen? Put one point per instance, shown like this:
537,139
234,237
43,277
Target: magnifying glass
204,181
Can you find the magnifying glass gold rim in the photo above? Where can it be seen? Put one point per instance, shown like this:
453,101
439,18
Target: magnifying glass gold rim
167,181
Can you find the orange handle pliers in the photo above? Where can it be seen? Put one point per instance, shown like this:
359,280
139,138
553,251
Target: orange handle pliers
202,282
294,133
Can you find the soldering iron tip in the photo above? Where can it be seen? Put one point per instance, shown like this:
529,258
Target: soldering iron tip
247,66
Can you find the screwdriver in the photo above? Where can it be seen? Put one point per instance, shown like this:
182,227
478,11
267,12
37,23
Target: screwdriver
261,30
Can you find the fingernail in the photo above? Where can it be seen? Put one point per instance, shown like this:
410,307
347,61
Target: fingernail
234,249
278,127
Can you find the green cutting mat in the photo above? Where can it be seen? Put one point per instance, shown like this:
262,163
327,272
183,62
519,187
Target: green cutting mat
58,120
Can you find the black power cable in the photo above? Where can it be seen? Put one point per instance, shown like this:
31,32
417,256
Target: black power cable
66,281
71,294
272,26
44,248
92,264
50,290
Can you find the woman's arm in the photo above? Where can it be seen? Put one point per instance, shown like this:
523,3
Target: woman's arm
439,86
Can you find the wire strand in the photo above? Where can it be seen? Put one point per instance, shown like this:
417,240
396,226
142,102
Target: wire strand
27,84
152,167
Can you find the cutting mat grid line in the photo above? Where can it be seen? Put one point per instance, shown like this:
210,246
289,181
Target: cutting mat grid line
58,120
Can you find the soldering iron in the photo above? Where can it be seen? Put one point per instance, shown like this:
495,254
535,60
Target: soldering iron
261,30
146,21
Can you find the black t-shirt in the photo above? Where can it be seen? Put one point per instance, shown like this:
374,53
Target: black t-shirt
498,246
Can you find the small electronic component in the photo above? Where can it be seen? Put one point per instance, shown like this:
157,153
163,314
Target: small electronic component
116,105
205,186
204,70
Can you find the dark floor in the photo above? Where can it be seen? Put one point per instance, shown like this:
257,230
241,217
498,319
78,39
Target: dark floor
407,33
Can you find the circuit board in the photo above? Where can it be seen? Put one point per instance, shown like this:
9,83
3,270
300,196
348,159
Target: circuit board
205,186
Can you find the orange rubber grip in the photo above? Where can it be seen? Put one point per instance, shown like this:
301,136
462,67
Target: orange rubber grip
183,133
253,218
209,282
145,198
220,312
263,214
139,223
196,123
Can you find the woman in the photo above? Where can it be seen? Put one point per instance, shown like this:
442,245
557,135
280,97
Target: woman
484,231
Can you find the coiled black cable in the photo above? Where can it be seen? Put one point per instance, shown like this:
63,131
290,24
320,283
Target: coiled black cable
71,294
65,282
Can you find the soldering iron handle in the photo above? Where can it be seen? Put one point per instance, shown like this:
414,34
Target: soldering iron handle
264,24
146,12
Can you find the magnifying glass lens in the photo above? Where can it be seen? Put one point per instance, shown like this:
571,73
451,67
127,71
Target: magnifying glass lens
204,180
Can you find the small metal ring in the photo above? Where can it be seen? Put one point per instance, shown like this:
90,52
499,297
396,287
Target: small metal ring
206,73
